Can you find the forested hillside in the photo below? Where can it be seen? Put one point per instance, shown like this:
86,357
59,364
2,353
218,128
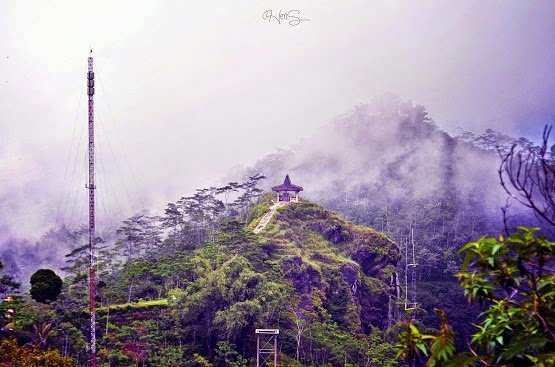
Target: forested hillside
187,287
386,165
195,295
389,166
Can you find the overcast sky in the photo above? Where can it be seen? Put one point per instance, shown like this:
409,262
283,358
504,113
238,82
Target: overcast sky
188,89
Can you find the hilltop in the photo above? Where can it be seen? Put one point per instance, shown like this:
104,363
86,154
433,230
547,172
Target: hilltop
347,268
388,165
323,281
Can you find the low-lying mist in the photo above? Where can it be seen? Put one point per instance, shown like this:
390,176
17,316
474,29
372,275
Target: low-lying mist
384,164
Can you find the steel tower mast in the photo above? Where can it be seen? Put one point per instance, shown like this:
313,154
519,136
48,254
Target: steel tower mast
91,187
410,272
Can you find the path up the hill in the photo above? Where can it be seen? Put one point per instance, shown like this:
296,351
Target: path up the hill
267,217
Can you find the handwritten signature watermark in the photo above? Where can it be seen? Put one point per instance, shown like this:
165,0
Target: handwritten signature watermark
292,17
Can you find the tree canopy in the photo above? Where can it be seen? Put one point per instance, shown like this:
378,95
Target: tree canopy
46,285
514,277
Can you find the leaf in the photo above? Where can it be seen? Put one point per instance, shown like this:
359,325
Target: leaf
465,359
414,330
491,261
468,246
524,346
422,347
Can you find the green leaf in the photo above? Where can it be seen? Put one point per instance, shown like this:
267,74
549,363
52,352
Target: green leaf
422,347
414,330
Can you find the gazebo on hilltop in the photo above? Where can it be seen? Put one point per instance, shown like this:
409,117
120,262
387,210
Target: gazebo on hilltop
287,192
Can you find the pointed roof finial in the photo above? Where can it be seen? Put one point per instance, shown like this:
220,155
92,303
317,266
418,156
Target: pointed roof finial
287,186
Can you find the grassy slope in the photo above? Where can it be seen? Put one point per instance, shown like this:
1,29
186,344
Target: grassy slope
331,263
300,229
134,305
330,260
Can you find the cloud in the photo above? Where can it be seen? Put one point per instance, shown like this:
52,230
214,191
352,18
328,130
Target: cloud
187,91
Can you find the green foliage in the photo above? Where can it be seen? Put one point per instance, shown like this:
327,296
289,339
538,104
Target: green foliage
139,304
443,345
258,212
517,328
201,361
45,285
227,356
448,296
378,350
175,296
12,355
519,325
195,297
7,284
411,343
169,356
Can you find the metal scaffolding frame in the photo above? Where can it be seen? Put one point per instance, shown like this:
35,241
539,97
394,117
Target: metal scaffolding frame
266,347
410,272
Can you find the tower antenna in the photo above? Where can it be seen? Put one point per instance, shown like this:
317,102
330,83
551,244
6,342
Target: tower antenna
410,272
91,187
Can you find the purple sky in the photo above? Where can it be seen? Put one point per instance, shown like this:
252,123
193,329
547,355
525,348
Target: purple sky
187,90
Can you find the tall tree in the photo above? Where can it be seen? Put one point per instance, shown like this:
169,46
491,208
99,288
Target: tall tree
528,176
7,284
139,234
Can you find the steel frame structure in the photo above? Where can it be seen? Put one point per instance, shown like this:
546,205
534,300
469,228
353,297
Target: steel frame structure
91,187
410,273
266,347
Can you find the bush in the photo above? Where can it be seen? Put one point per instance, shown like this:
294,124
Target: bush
11,354
45,285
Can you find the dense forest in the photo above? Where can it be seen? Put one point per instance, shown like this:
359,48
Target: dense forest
189,286
388,166
193,285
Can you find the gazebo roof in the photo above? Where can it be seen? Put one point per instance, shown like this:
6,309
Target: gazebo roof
287,186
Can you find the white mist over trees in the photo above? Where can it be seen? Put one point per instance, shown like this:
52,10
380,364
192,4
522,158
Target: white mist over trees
385,164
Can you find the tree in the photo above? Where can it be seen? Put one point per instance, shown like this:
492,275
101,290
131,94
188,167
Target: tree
140,234
45,285
514,277
528,176
7,284
227,356
301,326
411,343
11,354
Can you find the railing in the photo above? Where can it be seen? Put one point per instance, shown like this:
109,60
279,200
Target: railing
292,199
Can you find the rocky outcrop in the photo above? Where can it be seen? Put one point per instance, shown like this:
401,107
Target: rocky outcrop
338,269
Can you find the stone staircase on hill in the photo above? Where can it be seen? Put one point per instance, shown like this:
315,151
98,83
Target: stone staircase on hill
267,217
